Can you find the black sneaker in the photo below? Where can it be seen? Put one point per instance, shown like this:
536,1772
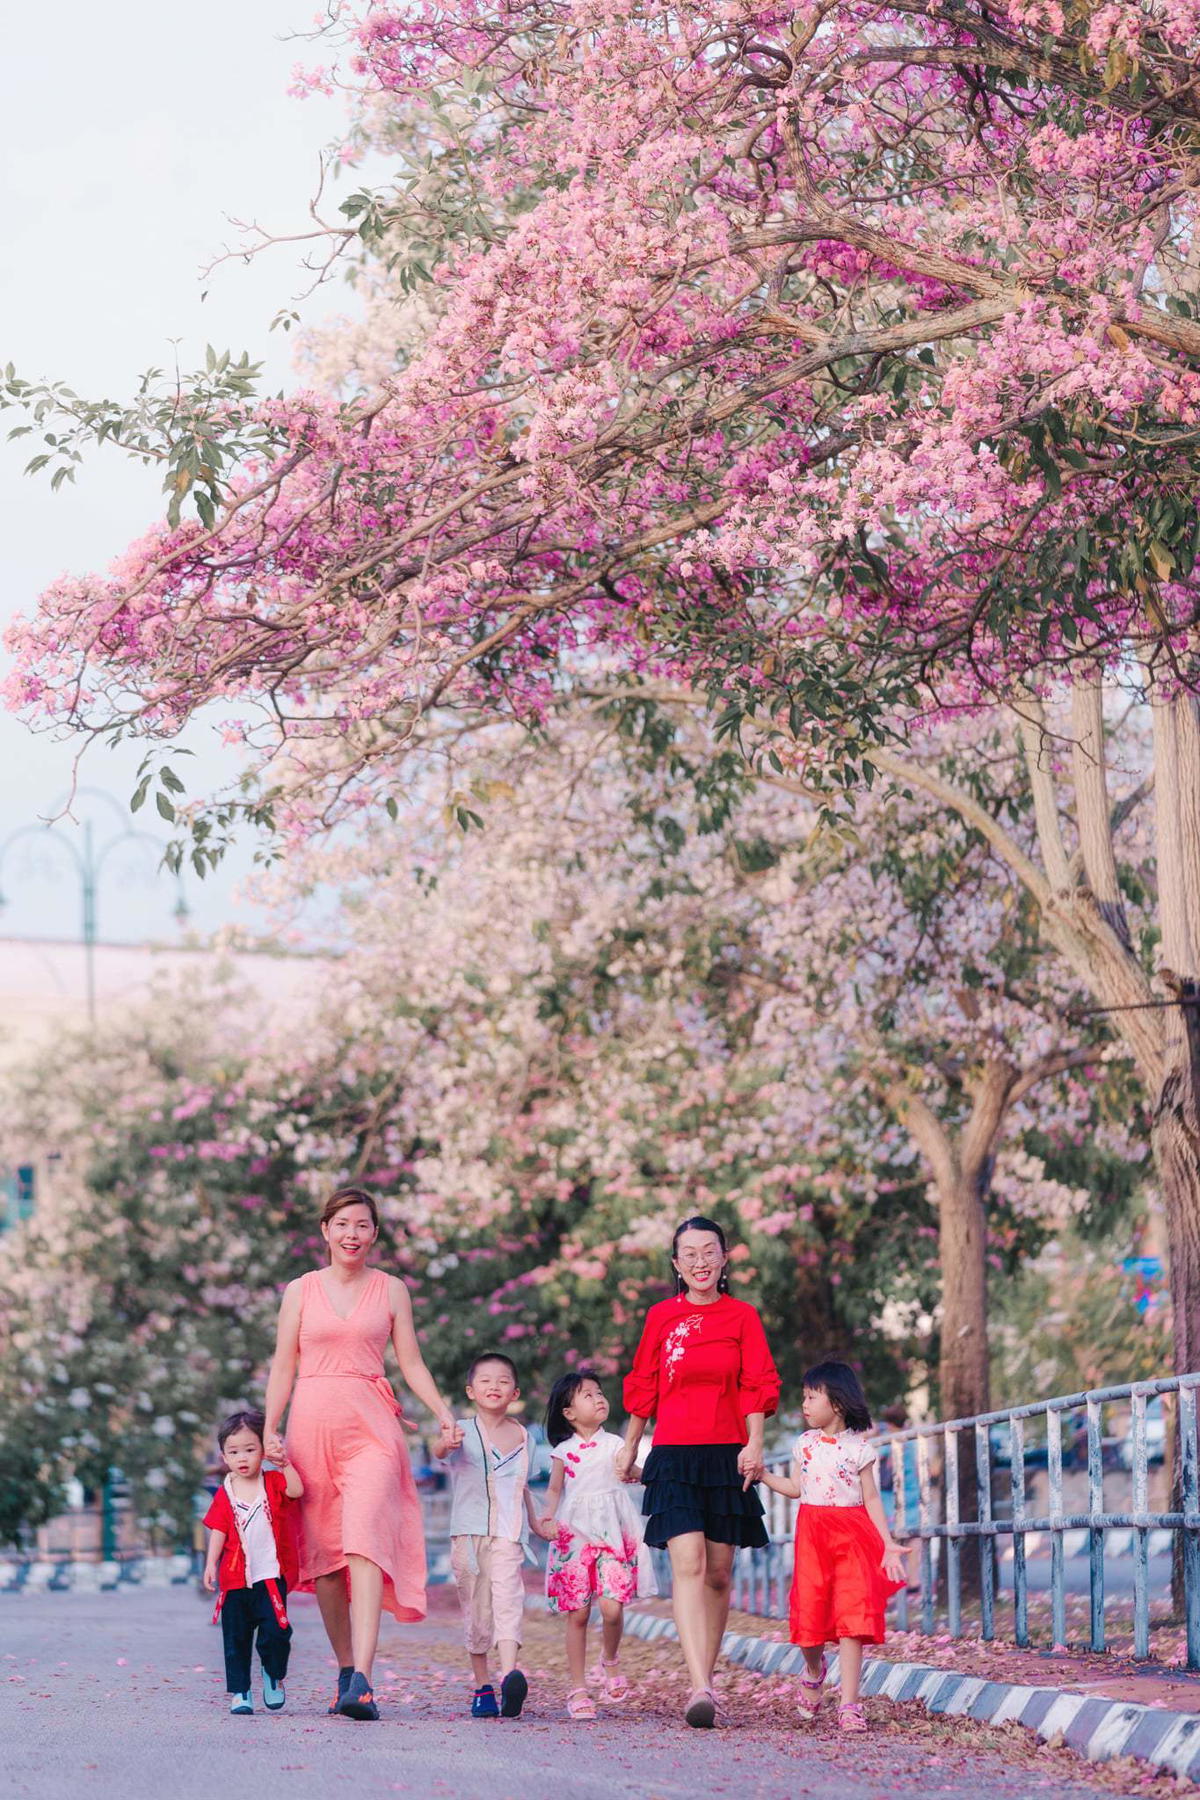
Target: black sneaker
344,1679
513,1690
358,1702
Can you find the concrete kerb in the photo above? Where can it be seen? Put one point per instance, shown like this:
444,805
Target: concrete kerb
65,1576
1096,1728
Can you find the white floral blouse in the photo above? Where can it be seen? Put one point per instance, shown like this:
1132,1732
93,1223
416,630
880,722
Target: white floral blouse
831,1468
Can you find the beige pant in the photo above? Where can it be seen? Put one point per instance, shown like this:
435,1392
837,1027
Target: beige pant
488,1573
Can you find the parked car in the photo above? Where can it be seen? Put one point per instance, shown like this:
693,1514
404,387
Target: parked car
1156,1435
539,1454
1000,1440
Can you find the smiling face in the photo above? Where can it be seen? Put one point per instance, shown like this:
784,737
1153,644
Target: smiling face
492,1388
350,1234
699,1259
243,1453
588,1410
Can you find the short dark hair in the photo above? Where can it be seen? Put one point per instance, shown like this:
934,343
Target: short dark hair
247,1419
844,1391
493,1356
558,1427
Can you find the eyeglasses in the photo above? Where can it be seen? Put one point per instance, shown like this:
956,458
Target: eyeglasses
698,1262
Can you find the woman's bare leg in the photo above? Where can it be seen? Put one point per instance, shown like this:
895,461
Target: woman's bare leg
334,1603
366,1604
718,1575
689,1605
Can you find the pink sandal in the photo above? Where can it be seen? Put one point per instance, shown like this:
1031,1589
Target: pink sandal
852,1717
580,1704
808,1700
611,1680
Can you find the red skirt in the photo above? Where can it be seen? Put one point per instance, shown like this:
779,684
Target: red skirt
839,1589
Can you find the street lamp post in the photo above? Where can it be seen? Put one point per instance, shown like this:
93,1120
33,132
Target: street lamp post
88,863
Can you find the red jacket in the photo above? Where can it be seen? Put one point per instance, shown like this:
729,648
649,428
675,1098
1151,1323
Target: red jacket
700,1369
281,1510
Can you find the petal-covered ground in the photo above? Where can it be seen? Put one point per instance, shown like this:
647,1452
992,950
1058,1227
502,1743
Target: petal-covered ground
121,1697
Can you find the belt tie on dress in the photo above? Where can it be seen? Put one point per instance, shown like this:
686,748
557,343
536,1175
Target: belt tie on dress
380,1383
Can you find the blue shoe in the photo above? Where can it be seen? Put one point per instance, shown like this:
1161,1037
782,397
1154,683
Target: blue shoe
241,1703
358,1702
345,1677
274,1698
483,1706
513,1690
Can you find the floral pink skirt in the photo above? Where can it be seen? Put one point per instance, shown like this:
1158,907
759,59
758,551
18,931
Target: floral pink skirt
578,1572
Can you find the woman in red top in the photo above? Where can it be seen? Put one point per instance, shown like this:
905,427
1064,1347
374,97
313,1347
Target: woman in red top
704,1373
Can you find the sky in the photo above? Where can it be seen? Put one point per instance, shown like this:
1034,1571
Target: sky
130,137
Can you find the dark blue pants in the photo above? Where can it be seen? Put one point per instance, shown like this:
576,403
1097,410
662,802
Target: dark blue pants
243,1612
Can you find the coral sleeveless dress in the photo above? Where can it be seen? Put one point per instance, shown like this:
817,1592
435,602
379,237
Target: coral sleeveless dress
345,1437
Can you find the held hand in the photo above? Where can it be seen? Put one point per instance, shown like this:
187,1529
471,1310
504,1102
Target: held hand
275,1448
894,1564
451,1432
750,1465
547,1527
625,1462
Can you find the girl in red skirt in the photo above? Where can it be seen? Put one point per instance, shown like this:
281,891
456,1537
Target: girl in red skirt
847,1565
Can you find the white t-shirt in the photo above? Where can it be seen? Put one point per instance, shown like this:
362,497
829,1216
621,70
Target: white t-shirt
831,1467
254,1528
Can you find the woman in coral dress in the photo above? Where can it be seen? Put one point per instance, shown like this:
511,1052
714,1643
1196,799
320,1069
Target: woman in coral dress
363,1545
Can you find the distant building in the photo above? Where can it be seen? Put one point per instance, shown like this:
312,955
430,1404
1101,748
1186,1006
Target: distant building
17,1190
43,991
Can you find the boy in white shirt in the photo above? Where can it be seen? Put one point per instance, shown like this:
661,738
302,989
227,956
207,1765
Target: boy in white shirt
490,1513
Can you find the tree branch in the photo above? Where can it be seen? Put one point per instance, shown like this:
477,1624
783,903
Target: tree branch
1093,812
1035,743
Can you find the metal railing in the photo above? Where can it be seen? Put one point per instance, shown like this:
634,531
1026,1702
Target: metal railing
1020,1436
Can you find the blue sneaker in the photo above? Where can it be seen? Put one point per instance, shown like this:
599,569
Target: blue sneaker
345,1677
358,1702
241,1703
483,1705
274,1698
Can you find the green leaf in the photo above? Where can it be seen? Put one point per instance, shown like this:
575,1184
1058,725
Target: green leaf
166,810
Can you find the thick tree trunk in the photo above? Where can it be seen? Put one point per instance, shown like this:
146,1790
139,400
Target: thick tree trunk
1176,1128
1176,1140
964,1373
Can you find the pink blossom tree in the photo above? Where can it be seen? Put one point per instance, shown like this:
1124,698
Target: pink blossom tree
839,363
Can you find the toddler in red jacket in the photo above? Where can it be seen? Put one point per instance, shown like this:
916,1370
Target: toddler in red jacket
252,1560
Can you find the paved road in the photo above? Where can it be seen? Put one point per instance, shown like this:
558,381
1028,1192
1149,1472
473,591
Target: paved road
1118,1575
120,1697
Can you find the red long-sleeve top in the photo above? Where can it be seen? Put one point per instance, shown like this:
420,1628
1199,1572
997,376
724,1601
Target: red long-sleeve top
700,1369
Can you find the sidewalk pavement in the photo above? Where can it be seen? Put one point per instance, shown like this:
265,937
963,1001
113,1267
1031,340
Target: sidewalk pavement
1099,1707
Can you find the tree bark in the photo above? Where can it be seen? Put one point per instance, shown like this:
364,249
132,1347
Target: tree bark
1177,1158
964,1376
1176,1128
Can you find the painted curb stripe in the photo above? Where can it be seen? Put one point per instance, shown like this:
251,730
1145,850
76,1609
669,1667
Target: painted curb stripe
1094,1728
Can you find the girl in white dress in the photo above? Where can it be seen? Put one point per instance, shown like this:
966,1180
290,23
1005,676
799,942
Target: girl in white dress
595,1532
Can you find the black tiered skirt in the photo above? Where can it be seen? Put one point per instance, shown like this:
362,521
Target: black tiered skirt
696,1487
